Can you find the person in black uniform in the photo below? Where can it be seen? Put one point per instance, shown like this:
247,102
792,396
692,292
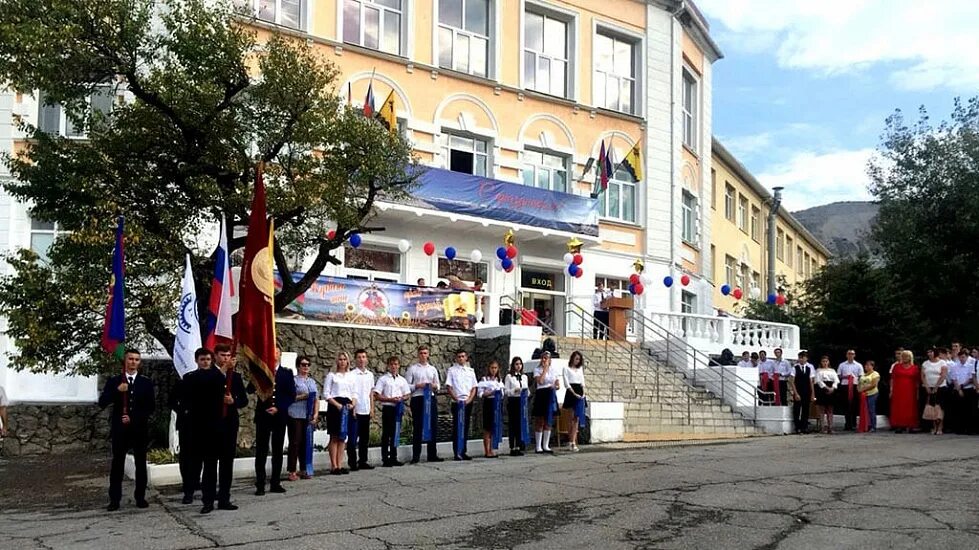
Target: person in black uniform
204,393
178,404
803,392
270,423
234,399
132,400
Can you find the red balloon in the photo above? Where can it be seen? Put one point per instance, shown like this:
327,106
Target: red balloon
577,259
780,300
511,268
634,278
685,280
639,288
331,233
511,252
577,274
737,293
429,248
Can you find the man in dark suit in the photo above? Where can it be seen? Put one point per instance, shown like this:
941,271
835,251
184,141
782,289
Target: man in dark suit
234,399
270,423
132,400
178,404
204,392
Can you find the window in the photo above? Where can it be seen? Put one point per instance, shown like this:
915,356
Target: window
689,222
619,287
689,97
788,250
545,54
688,302
755,279
288,13
729,202
808,265
374,24
780,244
615,73
743,213
464,35
620,197
799,266
53,119
468,155
713,262
43,235
730,270
545,170
744,277
372,263
755,223
465,270
713,189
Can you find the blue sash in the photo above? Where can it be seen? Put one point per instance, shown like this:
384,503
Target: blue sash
399,410
497,418
579,411
352,431
426,418
310,402
524,415
344,420
460,428
551,407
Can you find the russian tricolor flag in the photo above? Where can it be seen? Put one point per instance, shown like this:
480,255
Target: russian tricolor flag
222,289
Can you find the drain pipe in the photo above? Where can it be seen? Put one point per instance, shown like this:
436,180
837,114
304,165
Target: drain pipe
772,217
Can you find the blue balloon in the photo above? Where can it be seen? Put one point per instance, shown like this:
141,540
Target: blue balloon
572,269
506,263
501,253
668,281
726,289
632,288
355,240
772,298
450,253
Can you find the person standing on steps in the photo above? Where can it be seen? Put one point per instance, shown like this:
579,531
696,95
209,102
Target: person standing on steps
235,399
423,376
547,384
270,426
574,383
364,412
516,383
600,307
803,392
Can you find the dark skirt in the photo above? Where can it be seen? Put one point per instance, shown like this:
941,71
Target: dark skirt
542,401
333,416
823,397
489,414
571,400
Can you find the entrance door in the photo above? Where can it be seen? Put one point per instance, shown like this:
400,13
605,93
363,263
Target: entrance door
542,298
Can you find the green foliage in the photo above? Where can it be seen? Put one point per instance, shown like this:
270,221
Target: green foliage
205,99
160,456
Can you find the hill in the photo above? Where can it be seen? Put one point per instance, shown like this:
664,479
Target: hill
844,227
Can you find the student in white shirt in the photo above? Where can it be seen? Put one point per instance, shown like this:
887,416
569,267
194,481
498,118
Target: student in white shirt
803,392
745,361
849,371
489,384
765,382
600,329
574,384
827,383
516,382
339,391
390,390
418,376
546,384
460,380
934,375
364,392
783,369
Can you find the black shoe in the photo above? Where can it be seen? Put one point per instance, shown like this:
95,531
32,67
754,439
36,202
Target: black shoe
386,464
365,466
548,451
436,459
397,463
226,506
207,508
188,499
457,458
277,489
354,467
344,471
467,457
415,461
519,452
112,507
141,503
538,452
259,491
335,472
514,452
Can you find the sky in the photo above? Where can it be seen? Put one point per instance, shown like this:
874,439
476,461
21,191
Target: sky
804,88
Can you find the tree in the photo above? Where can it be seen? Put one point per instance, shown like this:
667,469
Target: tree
927,181
197,99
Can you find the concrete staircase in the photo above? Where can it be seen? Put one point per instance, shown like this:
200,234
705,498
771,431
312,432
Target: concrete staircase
659,403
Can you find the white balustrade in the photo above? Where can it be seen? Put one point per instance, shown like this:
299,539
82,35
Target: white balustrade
712,334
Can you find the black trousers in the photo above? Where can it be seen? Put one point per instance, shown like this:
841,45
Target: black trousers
297,445
226,460
960,411
513,424
190,478
266,428
465,429
417,412
800,412
847,407
131,438
600,328
205,446
363,441
389,447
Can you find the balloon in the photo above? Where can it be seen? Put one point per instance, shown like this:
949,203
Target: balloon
355,240
725,289
771,298
577,259
572,269
498,264
450,252
737,293
755,292
331,233
404,245
475,256
579,273
685,280
632,288
646,279
507,264
501,253
634,278
668,281
511,252
780,300
509,269
639,289
429,248
568,257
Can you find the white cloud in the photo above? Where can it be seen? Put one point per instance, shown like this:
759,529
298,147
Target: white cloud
924,44
812,178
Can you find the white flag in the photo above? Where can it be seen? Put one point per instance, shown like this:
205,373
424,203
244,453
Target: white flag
188,336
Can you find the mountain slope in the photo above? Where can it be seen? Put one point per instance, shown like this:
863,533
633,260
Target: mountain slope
844,227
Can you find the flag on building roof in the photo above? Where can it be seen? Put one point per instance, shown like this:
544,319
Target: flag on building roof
187,338
369,101
256,317
218,321
114,329
633,163
388,115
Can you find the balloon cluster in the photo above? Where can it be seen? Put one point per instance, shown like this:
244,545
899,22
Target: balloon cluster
735,293
574,261
504,258
668,280
639,280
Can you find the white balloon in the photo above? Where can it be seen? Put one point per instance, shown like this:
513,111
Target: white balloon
476,256
755,292
568,258
404,245
498,264
646,279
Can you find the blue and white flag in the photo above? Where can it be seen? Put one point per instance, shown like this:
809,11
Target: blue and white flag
460,428
399,409
188,334
426,419
310,403
579,411
497,418
524,415
344,419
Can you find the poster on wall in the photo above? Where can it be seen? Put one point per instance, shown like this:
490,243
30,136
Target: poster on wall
379,303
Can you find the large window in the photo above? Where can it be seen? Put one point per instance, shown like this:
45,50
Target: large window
729,202
799,267
730,271
755,223
620,197
545,170
713,189
780,244
43,235
374,24
808,265
468,155
743,213
689,229
615,73
788,251
689,97
373,263
464,35
465,270
288,13
688,302
545,54
53,119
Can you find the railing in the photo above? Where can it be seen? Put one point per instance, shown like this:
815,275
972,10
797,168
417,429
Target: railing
714,334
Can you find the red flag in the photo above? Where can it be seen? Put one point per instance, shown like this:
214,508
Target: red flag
256,320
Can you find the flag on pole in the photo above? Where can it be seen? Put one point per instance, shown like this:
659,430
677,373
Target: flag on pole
604,169
114,329
218,323
188,337
369,101
633,163
256,321
387,114
350,93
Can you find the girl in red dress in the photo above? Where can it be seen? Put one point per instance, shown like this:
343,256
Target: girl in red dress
905,379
